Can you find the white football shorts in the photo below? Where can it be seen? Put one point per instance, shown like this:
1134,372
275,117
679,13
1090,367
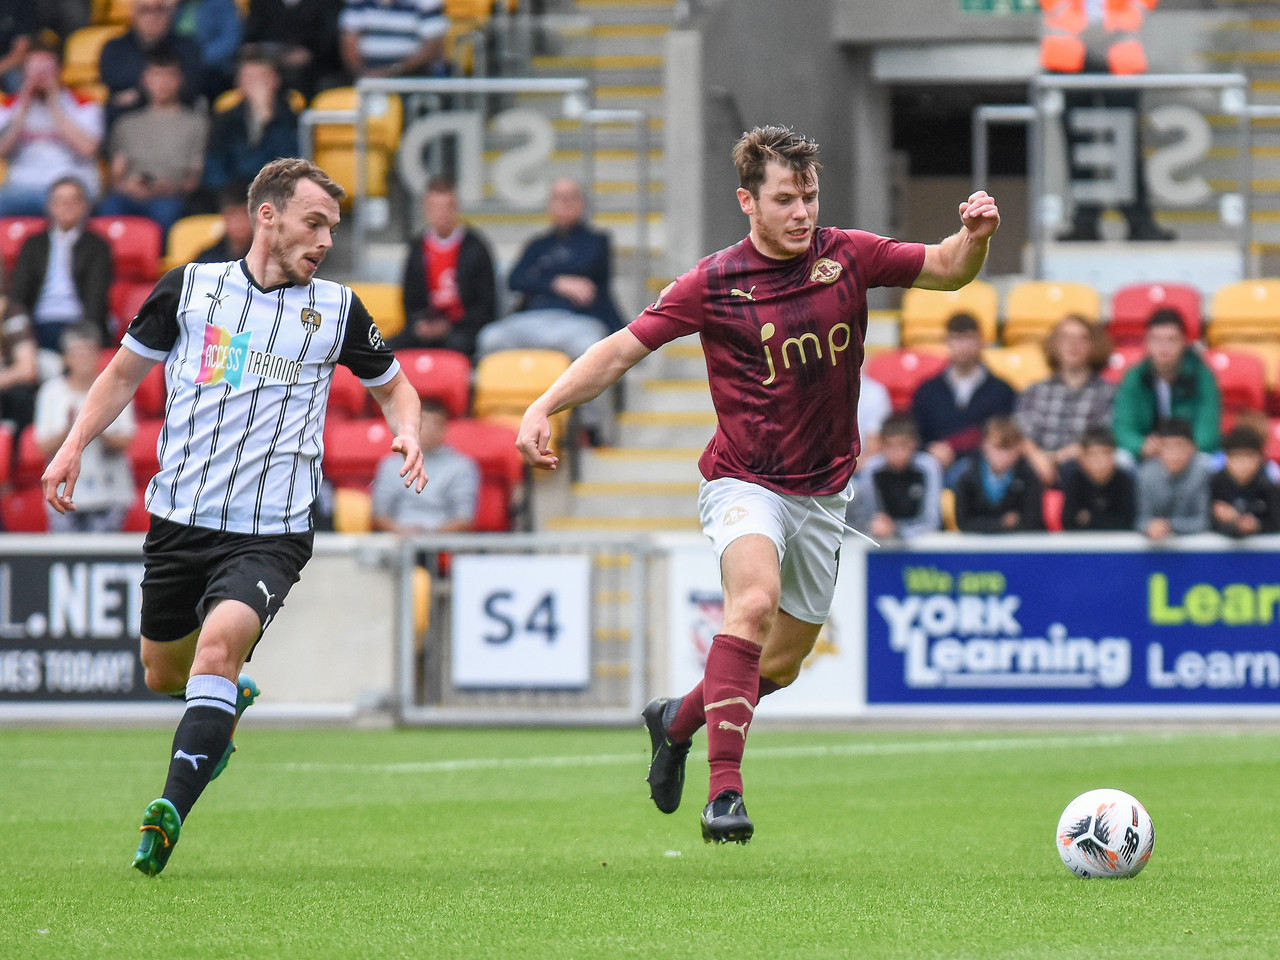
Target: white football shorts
806,530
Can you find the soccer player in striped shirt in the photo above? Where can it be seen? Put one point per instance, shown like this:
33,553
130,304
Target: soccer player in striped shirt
248,348
782,316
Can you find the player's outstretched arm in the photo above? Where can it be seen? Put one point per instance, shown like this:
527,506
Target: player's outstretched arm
955,261
403,409
110,394
587,377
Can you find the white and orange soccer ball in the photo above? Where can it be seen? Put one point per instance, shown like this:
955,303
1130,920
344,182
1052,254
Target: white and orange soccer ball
1105,833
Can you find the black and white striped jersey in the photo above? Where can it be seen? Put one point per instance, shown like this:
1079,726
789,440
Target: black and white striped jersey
247,374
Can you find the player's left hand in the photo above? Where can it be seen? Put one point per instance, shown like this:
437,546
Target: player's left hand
414,475
979,215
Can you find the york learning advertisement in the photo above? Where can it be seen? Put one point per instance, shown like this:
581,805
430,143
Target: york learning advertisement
1145,627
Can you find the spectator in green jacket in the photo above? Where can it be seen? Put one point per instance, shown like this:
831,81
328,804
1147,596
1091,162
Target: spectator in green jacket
1172,381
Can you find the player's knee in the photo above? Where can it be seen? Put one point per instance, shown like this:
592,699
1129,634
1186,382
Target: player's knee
163,678
755,608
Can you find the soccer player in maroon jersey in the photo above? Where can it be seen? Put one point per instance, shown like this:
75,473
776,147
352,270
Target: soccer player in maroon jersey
782,316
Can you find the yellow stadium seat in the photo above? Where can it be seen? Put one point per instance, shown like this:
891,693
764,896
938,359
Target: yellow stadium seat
1019,366
1247,310
335,142
468,9
947,506
80,55
506,383
352,510
112,11
228,99
189,235
385,304
1033,307
925,312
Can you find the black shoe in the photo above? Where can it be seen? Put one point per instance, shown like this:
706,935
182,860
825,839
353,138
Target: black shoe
1081,233
725,819
1151,232
666,769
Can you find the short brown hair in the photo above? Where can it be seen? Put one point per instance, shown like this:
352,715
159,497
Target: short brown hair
441,184
1003,431
277,181
759,146
1099,344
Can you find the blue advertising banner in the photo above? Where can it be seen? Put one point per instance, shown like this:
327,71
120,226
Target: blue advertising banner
1073,628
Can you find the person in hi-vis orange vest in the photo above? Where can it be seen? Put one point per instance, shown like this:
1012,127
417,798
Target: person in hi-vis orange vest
1100,36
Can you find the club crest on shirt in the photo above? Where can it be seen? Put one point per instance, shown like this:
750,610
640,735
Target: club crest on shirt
825,270
733,515
311,319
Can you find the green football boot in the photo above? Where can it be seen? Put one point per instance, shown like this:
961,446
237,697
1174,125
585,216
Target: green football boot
246,692
160,827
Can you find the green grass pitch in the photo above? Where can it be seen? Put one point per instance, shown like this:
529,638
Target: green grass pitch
321,843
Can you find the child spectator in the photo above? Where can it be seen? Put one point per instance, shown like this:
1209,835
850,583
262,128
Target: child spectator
1173,484
455,476
1244,501
1097,495
998,490
899,489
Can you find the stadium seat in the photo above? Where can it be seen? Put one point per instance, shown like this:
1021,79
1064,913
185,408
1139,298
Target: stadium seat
348,397
947,507
334,146
1246,310
444,375
901,371
148,402
1034,306
111,11
28,462
1273,440
136,518
1131,307
124,299
1240,378
493,447
143,458
1019,366
1268,353
509,380
84,48
6,451
352,510
385,304
352,449
1122,358
1051,503
925,312
13,234
230,99
24,511
135,245
188,236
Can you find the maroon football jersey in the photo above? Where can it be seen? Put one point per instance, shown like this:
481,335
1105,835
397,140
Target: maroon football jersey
784,344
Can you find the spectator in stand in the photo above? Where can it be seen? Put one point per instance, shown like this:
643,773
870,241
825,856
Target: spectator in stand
104,489
1244,501
1053,414
899,489
393,38
237,228
123,58
998,490
951,408
1171,381
157,152
1098,494
1259,423
450,506
1173,484
46,132
261,127
303,37
19,372
17,31
874,407
214,27
63,273
448,284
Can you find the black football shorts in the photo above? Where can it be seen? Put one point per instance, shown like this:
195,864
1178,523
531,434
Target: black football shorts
187,568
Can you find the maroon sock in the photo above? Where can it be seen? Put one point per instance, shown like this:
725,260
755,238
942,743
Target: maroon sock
767,687
690,716
730,688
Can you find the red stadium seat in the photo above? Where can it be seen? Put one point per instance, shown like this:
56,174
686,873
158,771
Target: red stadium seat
148,402
23,511
1273,440
137,520
124,299
143,460
135,246
1122,358
1051,504
901,371
29,463
1240,378
493,447
13,234
444,375
348,397
1133,305
6,452
352,449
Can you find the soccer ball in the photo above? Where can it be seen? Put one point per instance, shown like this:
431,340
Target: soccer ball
1105,833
